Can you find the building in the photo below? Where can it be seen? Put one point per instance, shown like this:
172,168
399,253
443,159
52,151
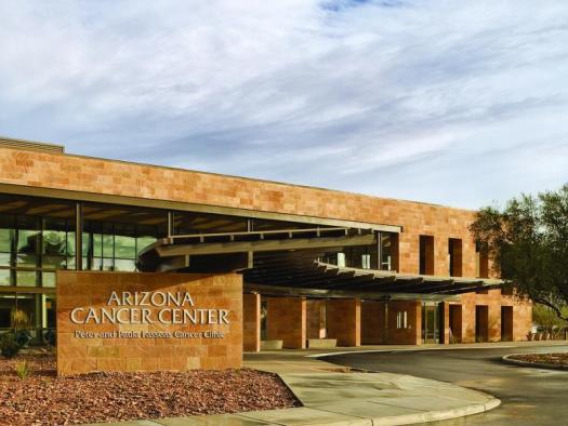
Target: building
320,267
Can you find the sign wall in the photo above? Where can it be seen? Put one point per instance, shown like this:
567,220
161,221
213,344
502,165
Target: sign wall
110,321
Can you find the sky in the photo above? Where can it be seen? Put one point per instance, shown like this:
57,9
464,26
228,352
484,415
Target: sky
462,103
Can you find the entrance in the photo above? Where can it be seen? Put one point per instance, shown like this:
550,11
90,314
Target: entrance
481,324
455,323
506,323
431,323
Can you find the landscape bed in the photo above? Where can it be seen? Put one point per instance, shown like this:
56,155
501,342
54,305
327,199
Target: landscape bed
559,359
44,398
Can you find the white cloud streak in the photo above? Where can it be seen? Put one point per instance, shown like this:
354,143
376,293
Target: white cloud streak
445,101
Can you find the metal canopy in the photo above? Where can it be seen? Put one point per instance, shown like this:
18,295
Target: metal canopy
289,262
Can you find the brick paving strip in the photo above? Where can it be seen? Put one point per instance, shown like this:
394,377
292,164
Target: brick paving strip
333,395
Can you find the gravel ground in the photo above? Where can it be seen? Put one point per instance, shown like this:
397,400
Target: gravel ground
44,399
554,358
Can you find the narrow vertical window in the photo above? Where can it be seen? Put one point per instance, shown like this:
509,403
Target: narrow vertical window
455,257
426,255
481,260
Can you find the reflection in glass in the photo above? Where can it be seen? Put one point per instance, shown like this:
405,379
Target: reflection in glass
48,279
143,242
5,277
5,239
26,278
125,265
5,259
7,303
48,317
125,247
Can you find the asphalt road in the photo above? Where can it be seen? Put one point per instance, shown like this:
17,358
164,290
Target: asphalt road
529,396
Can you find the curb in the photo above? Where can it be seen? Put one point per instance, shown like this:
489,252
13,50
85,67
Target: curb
415,418
410,349
548,366
435,416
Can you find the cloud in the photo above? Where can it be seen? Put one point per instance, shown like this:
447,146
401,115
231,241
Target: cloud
443,101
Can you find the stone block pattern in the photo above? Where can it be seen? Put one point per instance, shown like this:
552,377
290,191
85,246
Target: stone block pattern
251,322
92,289
286,321
316,319
372,323
412,335
344,321
522,315
109,177
76,173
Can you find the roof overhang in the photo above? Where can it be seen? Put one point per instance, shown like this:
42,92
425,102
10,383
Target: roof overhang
291,261
71,195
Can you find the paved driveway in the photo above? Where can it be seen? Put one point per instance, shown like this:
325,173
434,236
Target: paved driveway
529,396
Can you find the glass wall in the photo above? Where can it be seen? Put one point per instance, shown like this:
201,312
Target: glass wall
32,247
367,257
38,237
114,235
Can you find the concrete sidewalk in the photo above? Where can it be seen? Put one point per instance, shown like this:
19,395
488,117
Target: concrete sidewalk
333,395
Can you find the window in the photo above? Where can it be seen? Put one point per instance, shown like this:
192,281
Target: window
389,251
33,247
115,246
402,320
481,260
455,257
341,260
426,266
366,261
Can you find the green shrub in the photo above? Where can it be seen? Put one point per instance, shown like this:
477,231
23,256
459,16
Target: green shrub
23,338
50,337
22,370
8,345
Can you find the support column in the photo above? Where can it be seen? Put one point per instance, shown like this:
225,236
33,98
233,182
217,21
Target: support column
286,321
170,223
344,321
494,332
468,318
251,322
79,236
372,323
315,319
445,311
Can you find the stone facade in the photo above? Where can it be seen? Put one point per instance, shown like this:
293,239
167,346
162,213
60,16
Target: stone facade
316,317
373,323
490,316
76,173
99,353
286,321
344,321
293,320
409,333
251,322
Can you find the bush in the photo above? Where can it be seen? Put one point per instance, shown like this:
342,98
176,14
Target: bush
22,370
23,338
8,345
50,337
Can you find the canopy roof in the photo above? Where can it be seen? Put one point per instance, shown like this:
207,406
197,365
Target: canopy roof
289,262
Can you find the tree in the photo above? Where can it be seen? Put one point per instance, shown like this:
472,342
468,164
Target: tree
528,242
547,320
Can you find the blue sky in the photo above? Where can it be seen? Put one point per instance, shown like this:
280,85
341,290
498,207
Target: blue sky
462,103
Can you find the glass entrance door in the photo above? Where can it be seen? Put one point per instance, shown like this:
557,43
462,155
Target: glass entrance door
430,329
